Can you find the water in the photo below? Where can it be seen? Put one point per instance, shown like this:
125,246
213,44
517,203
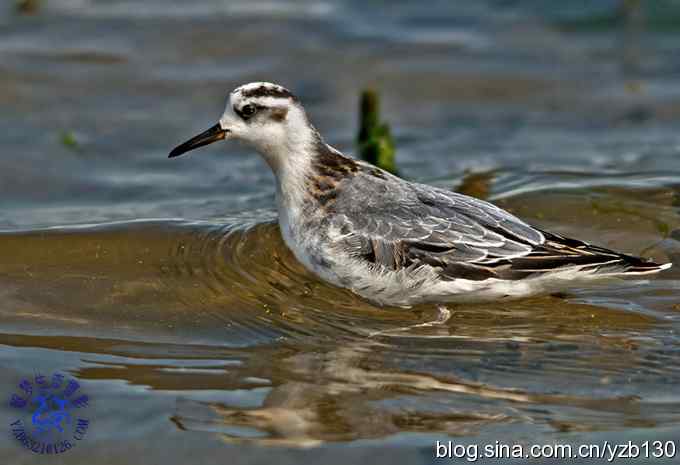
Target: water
164,287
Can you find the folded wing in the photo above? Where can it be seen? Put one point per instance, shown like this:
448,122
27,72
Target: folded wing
463,237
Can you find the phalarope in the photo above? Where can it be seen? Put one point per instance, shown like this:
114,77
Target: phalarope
392,241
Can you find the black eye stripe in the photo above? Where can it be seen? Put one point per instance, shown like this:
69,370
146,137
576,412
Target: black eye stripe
244,114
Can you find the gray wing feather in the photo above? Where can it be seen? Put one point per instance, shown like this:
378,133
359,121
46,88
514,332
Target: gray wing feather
396,225
411,224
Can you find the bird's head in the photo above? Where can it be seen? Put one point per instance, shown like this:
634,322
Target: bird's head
264,115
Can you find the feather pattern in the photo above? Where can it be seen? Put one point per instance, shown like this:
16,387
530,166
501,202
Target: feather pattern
423,237
416,225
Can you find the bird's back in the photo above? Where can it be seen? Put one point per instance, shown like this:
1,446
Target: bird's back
394,226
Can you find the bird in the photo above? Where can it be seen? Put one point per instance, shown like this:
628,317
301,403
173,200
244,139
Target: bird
391,241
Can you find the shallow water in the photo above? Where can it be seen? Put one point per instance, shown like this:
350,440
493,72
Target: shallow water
164,287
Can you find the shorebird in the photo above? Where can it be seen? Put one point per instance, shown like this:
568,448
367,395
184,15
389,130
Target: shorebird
392,241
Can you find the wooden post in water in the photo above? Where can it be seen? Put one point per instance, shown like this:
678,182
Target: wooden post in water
375,139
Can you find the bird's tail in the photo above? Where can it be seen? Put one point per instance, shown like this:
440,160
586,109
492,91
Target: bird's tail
599,260
627,265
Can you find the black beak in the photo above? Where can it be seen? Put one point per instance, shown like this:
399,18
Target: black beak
213,134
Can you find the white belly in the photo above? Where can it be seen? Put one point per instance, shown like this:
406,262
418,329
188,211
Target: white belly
407,287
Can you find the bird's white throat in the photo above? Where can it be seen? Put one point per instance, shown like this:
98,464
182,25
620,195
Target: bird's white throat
289,152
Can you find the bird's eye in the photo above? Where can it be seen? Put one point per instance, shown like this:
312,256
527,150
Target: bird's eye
248,110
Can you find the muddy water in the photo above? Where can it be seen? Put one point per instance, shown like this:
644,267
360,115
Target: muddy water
164,286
